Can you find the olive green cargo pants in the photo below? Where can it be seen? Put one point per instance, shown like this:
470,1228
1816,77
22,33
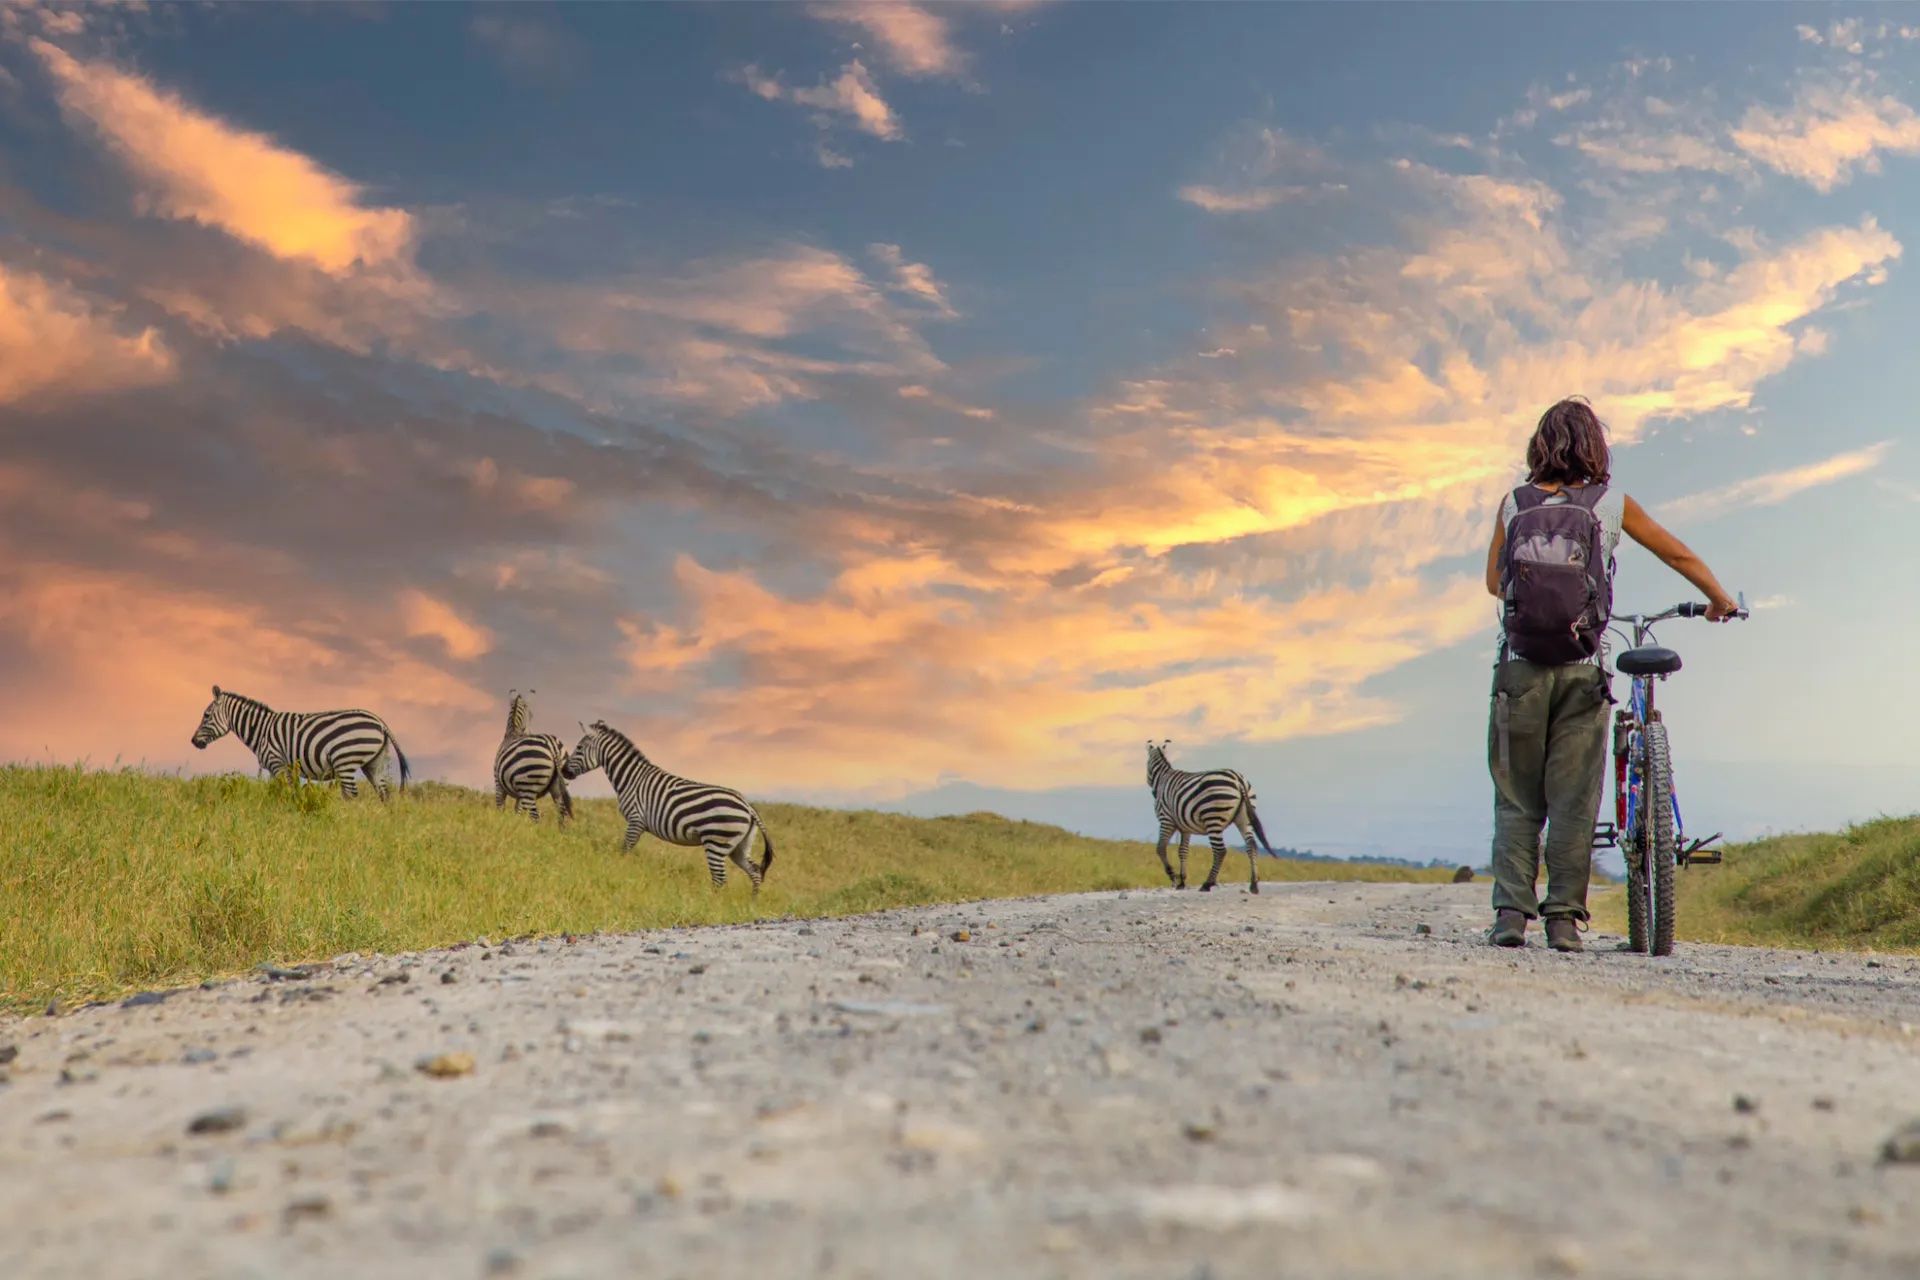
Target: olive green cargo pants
1547,750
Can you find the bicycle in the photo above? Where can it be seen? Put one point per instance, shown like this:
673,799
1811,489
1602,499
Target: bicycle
1647,827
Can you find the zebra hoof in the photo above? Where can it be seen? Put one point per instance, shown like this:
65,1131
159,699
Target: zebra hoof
1253,888
1206,888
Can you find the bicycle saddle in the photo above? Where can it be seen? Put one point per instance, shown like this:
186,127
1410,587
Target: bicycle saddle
1650,661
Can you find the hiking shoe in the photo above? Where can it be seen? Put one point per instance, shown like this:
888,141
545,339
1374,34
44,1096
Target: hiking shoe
1563,934
1509,928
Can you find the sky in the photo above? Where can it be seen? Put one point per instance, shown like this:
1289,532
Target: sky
925,405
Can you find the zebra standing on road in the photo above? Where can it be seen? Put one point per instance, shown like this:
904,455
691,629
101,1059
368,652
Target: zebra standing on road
1202,804
326,746
674,809
527,766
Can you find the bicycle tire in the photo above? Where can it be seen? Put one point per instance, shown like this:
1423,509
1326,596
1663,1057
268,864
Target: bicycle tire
1636,898
1656,796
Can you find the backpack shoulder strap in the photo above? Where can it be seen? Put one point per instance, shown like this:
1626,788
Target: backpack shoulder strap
1526,497
1589,497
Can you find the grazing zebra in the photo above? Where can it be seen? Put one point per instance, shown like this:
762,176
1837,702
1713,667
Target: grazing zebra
1202,804
674,809
527,766
326,746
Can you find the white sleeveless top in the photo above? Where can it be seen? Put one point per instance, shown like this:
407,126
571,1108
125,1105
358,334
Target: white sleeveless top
1611,511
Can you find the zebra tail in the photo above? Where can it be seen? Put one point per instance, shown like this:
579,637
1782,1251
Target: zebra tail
767,836
406,770
1254,814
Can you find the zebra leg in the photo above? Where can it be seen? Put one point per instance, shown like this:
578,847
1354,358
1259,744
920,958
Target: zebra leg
561,799
1166,833
1219,856
745,863
1182,882
376,771
533,810
716,863
348,787
499,793
634,832
1253,853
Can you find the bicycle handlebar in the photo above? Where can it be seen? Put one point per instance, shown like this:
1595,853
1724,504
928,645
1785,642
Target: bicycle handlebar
1693,609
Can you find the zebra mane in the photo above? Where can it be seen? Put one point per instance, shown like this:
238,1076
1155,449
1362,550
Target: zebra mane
609,732
243,700
517,714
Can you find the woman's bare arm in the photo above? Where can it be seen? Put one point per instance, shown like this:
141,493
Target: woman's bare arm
1679,557
1493,552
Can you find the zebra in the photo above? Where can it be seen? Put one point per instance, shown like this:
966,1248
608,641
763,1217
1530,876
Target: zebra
674,809
1202,804
326,746
527,766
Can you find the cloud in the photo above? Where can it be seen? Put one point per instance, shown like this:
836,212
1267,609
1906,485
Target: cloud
851,96
1214,200
915,279
529,48
193,166
1828,134
423,615
913,39
1777,486
54,340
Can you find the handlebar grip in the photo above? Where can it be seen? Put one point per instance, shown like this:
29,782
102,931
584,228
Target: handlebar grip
1692,610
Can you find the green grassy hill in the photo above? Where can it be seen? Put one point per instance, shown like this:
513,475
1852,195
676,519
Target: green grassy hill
1859,888
117,881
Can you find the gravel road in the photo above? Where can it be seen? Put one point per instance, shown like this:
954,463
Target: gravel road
1326,1080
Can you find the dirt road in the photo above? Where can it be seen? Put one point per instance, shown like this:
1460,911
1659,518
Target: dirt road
1324,1080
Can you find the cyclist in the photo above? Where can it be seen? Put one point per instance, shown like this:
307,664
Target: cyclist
1547,736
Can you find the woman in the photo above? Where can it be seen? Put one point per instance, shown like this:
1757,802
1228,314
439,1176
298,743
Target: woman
1547,739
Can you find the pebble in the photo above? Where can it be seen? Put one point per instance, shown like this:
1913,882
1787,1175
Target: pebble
220,1179
446,1066
1150,1035
1200,1130
195,1057
8,1052
1423,928
220,1120
962,935
1903,1146
1744,1104
448,977
502,1262
315,1206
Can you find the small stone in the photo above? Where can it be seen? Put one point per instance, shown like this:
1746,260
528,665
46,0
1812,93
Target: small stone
448,978
1565,1258
446,1066
196,1057
1423,928
668,1187
1823,1104
1200,1130
314,1206
961,935
222,1120
220,1179
1744,1104
696,969
8,1052
393,979
1864,1215
1150,1035
936,1136
1903,1147
502,1262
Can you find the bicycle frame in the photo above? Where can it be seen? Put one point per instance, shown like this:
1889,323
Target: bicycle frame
1629,724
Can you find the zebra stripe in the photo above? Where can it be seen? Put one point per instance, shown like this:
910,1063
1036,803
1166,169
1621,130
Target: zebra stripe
326,746
527,766
656,802
1202,804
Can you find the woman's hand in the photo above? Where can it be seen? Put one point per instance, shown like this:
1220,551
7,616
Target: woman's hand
1719,608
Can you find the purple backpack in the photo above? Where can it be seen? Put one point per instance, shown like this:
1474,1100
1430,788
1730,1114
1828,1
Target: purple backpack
1556,580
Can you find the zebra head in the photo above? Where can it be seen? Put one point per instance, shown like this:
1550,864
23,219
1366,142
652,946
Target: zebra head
517,713
1157,763
590,754
214,723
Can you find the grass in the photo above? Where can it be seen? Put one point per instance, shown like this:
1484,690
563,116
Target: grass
1856,889
116,881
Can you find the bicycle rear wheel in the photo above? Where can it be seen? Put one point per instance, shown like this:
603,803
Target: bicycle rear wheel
1656,831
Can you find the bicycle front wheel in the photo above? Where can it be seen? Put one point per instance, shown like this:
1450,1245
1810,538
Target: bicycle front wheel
1657,841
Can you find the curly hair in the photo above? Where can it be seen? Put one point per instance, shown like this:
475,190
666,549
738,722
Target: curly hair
1569,446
